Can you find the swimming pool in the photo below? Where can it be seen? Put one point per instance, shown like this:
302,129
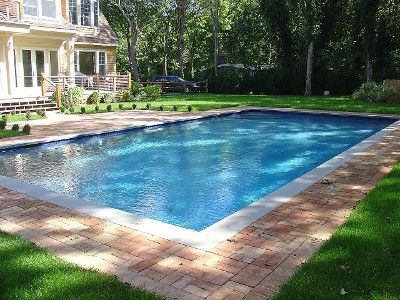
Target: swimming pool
190,174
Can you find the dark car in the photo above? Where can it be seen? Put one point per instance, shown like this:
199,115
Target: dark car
171,83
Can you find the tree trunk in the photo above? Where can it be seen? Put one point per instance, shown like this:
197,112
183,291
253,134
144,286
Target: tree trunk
310,62
181,36
214,7
132,49
165,67
368,68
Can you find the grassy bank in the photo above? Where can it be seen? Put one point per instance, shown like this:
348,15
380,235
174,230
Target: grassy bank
5,133
202,102
361,260
30,273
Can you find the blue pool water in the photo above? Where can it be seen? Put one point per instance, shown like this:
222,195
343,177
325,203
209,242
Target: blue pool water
190,174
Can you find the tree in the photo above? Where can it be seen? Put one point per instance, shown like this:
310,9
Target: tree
135,13
312,12
182,6
214,6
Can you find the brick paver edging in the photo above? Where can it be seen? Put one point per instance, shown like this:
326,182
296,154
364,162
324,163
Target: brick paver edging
250,265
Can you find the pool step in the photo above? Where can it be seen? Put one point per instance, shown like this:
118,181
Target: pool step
21,105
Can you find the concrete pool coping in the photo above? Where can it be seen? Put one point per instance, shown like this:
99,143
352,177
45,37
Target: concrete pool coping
220,231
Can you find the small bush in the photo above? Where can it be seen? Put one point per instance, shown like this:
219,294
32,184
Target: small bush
4,118
94,98
15,127
190,108
71,109
109,107
161,108
74,96
14,112
83,109
27,129
62,109
136,89
121,106
41,113
148,105
152,91
134,106
126,96
3,124
96,108
175,108
373,92
28,115
107,98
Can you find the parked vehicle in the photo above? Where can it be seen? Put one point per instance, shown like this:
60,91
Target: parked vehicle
171,83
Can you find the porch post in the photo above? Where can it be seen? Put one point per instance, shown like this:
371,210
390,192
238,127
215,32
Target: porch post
70,58
11,83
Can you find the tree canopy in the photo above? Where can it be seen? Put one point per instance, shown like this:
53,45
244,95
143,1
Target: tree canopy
272,46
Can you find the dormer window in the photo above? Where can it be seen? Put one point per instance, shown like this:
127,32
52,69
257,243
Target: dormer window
41,8
84,12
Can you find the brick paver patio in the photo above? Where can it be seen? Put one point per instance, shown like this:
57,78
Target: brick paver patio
250,265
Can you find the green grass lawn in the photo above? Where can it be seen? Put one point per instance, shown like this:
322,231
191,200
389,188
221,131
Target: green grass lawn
28,272
5,133
362,257
202,102
22,117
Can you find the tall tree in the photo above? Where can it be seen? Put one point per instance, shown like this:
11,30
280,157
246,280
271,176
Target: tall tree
135,13
215,6
312,12
182,6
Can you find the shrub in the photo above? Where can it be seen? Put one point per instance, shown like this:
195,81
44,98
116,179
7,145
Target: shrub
109,107
41,113
134,106
14,112
4,118
94,98
373,92
148,105
96,108
71,109
3,124
126,96
83,110
74,96
161,108
136,89
175,108
152,91
62,109
121,106
15,127
27,129
107,98
28,115
190,108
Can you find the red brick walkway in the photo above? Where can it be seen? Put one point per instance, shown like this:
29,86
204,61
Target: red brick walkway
250,265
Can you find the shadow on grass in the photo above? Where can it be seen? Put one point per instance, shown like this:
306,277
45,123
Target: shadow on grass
361,260
27,272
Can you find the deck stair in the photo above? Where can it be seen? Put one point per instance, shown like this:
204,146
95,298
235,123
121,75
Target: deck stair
23,104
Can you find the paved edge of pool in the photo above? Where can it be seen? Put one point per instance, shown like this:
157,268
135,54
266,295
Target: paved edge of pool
211,236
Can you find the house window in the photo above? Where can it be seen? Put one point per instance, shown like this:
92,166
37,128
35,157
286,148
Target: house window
73,12
40,8
31,7
102,63
49,8
84,12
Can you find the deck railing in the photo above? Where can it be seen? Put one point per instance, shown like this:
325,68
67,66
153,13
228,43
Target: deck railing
104,84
